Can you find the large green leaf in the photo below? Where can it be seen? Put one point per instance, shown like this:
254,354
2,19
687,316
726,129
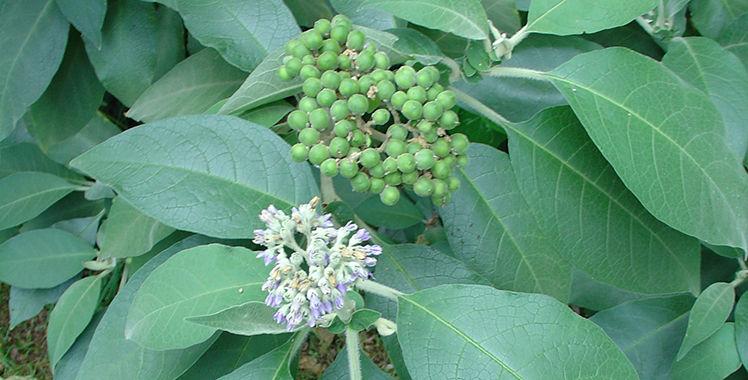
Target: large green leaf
77,88
87,17
412,42
70,363
197,281
673,157
130,232
34,36
741,327
707,315
71,316
98,129
24,304
648,331
251,318
503,14
735,38
465,18
24,195
710,17
191,87
594,295
307,12
713,359
491,229
565,17
704,64
243,32
126,62
368,17
230,352
72,206
170,45
26,157
476,332
339,369
111,356
631,36
596,223
42,258
272,366
211,174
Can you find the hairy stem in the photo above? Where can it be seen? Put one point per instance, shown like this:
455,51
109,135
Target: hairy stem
352,347
378,289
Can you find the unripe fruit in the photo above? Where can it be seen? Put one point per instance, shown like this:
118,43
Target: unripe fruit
410,178
378,75
312,39
406,163
342,127
309,71
309,136
355,40
331,46
405,77
448,120
364,83
326,97
299,152
318,153
431,136
432,111
425,77
348,169
339,110
308,60
385,89
312,87
377,171
290,45
330,79
462,160
424,159
348,87
339,33
341,20
440,148
459,143
440,170
380,116
398,99
413,148
329,167
395,148
360,182
319,119
307,104
376,186
344,62
293,66
369,158
394,178
283,74
327,61
440,188
365,61
397,132
358,104
299,51
298,119
417,93
357,138
434,91
423,187
412,109
339,147
389,195
424,126
323,26
389,165
381,60
447,99
370,47
450,161
453,184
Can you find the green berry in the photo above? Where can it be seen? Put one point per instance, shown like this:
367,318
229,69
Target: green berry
423,187
405,77
365,61
358,104
312,39
440,148
417,93
412,109
424,159
357,138
299,152
462,160
389,195
293,66
377,171
331,46
344,62
318,153
329,167
376,186
299,51
326,97
370,48
339,110
307,104
290,45
369,158
394,178
327,61
385,89
425,77
440,188
450,161
309,136
434,91
424,126
339,33
308,71
380,116
308,60
406,163
312,87
360,182
355,40
413,148
323,26
348,169
397,132
459,143
340,19
283,74
319,119
342,127
298,120
432,111
448,120
364,83
395,148
453,184
410,178
381,60
447,99
431,136
339,147
398,99
378,75
348,87
330,79
389,165
440,170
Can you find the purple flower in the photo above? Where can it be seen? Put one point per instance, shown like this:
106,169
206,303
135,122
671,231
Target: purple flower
271,284
279,317
341,288
370,261
327,305
339,302
273,300
267,255
350,227
326,220
362,235
372,250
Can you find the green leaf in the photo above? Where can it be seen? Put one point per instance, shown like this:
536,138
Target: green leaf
491,229
741,327
268,114
710,17
71,316
464,18
735,38
307,12
563,177
34,36
86,16
26,157
230,352
24,195
707,315
368,17
362,319
469,331
339,369
196,281
98,129
251,318
215,174
242,32
170,46
130,232
648,331
718,73
272,366
503,14
73,206
594,295
191,87
126,62
77,88
370,208
631,36
24,304
70,363
42,258
262,86
566,17
111,356
412,42
713,359
673,157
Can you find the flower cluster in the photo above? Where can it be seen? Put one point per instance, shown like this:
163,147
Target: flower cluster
311,281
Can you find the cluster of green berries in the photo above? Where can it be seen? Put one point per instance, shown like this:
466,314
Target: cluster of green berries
377,127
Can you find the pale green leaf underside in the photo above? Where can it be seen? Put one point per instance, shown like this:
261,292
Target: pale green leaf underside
478,332
87,16
566,17
251,318
713,359
595,222
26,157
194,282
24,195
711,17
71,316
491,229
710,311
272,366
735,38
210,174
741,327
24,304
130,232
673,157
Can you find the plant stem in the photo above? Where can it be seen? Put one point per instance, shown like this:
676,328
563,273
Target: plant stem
327,190
125,274
482,109
378,289
517,72
352,347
